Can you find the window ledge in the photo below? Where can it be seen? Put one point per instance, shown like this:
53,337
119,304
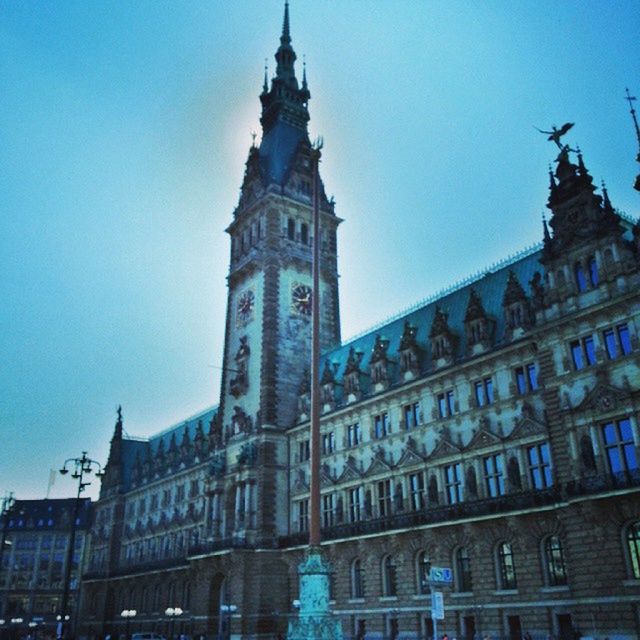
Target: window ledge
632,582
356,600
420,596
388,598
505,592
465,594
558,588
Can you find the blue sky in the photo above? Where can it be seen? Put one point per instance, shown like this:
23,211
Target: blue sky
124,127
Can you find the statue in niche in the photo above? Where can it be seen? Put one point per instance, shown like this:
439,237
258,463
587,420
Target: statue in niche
240,383
513,473
432,491
587,454
398,499
472,484
537,290
240,421
248,454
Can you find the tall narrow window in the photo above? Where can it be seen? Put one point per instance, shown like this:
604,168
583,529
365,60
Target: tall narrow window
526,378
411,415
381,425
462,565
416,490
303,516
355,504
617,341
357,582
446,404
453,482
554,562
583,352
593,272
506,567
304,233
384,498
354,436
633,549
581,281
291,229
484,392
423,567
389,584
619,446
328,510
539,466
493,475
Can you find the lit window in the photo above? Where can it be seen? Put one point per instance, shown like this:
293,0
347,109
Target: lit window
354,436
619,446
453,482
416,491
539,466
381,425
583,353
554,562
617,341
506,567
484,392
493,475
462,564
411,415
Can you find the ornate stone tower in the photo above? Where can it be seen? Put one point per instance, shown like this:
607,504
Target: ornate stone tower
268,310
268,322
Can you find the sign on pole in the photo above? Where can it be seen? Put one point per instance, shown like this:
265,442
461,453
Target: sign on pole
442,575
437,605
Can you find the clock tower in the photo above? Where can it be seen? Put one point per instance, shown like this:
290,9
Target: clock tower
268,321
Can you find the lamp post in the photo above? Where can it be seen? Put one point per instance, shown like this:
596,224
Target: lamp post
80,466
127,614
227,610
172,613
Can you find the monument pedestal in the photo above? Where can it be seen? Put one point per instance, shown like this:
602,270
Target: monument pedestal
315,620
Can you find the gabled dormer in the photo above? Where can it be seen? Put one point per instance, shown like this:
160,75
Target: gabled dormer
477,325
443,340
409,352
517,310
353,376
380,365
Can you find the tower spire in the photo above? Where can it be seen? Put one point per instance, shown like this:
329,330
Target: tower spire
631,99
285,38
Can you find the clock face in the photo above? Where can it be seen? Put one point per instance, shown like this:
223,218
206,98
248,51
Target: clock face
244,311
301,299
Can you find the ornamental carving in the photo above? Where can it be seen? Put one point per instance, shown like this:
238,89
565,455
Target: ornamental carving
240,383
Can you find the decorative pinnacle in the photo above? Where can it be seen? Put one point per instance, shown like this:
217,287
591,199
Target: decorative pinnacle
286,37
265,85
545,228
304,71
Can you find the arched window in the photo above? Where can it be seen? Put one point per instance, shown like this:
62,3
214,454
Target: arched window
555,570
357,582
593,272
462,570
633,549
506,567
581,281
423,567
389,583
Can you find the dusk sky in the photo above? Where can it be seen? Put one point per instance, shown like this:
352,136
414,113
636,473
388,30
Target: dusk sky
124,128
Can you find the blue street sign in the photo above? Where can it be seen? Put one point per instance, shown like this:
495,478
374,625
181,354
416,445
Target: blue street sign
441,574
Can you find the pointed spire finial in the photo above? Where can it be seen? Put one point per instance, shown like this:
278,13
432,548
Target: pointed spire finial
545,229
265,84
631,99
608,207
285,24
304,71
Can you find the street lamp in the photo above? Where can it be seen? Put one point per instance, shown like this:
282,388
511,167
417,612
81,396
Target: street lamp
172,613
227,610
127,614
81,466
